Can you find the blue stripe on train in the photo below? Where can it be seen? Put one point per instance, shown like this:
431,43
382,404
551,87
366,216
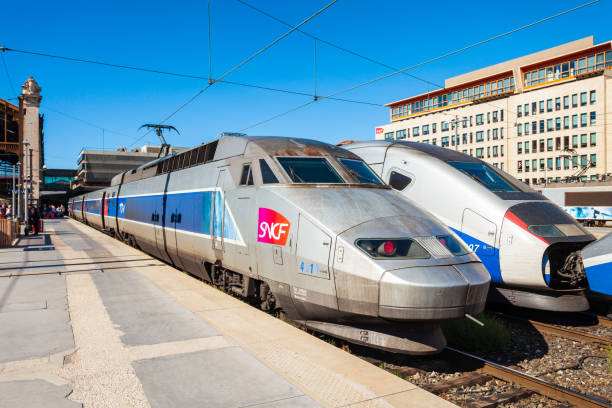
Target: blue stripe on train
195,209
600,278
489,255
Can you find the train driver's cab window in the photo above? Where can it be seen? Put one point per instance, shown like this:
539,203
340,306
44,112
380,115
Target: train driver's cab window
267,176
309,170
360,171
246,179
398,181
485,175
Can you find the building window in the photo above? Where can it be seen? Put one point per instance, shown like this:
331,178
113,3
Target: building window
593,138
488,151
583,98
527,166
549,163
526,128
575,161
444,126
400,134
519,129
583,140
534,127
434,141
526,147
519,166
549,145
557,143
426,141
415,131
593,160
565,142
519,111
433,127
425,129
574,121
501,115
558,163
488,134
495,134
488,117
480,153
480,136
542,126
541,106
501,133
549,125
558,103
502,153
566,102
526,109
558,123
593,119
549,105
583,119
593,97
541,145
479,119
574,141
583,160
534,107
566,122
445,141
541,164
566,163
534,146
519,148
574,100
495,151
389,136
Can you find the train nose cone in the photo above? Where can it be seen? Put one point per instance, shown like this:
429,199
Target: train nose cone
434,292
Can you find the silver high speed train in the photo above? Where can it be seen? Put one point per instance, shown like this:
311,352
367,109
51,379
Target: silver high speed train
298,225
529,245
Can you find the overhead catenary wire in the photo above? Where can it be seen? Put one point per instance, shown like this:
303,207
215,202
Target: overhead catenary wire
211,82
182,75
339,47
445,55
8,75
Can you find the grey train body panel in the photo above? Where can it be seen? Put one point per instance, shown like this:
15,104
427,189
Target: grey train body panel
234,213
496,221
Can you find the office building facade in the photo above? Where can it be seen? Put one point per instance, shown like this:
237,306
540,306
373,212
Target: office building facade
543,118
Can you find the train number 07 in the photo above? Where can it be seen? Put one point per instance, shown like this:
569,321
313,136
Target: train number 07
474,247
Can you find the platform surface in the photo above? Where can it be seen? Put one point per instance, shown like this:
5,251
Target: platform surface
88,321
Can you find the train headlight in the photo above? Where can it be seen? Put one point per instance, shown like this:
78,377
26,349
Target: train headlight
454,246
395,248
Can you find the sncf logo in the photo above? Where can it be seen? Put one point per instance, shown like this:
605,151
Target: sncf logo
273,227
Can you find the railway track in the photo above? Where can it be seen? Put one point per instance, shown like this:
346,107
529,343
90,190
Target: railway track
531,383
480,371
568,333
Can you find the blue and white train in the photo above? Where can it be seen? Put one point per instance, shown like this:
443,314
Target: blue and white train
302,226
529,245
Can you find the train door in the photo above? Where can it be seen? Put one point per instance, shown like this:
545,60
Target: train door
158,225
103,210
218,213
480,234
174,219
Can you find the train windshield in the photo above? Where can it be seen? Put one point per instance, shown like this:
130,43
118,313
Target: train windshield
360,171
484,175
309,170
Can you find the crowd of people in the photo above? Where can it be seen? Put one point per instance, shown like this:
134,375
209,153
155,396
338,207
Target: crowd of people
34,215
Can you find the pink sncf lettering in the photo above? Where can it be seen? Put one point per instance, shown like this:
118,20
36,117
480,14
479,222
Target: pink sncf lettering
273,227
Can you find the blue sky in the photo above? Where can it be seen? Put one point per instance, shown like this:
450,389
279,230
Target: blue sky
173,36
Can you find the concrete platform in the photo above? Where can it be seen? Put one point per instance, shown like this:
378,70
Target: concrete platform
88,321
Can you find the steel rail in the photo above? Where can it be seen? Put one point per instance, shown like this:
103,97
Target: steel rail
571,334
532,383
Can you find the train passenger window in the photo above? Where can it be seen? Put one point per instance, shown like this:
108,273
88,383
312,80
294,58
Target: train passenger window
267,176
398,181
361,171
246,179
309,170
